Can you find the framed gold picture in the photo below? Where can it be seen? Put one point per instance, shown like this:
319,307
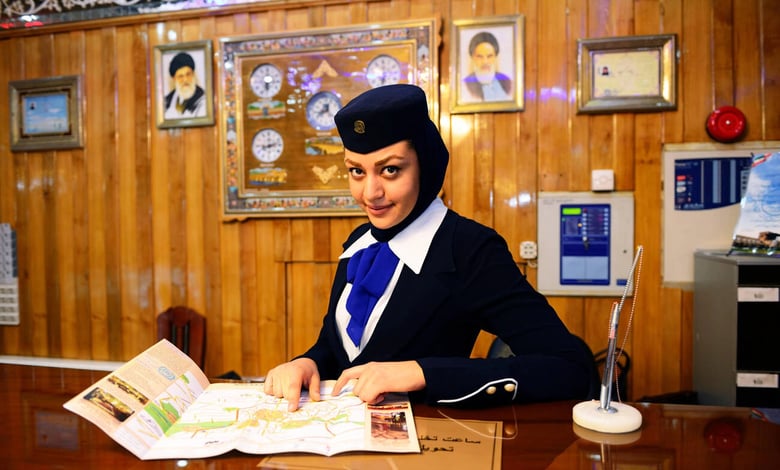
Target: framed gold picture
46,113
487,57
632,73
184,94
281,152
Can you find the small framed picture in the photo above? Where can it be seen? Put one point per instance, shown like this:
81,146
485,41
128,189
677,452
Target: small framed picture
488,64
631,73
184,95
46,113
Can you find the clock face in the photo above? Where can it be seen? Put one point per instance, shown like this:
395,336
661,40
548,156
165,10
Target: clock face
321,109
383,70
267,145
265,80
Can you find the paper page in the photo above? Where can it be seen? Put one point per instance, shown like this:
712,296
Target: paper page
160,405
242,416
138,402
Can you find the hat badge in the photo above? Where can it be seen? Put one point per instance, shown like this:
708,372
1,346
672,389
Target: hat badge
360,127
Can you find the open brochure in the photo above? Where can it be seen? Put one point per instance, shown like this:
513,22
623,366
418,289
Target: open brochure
160,405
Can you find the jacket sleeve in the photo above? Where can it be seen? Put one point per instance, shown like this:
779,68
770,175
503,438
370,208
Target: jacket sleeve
549,362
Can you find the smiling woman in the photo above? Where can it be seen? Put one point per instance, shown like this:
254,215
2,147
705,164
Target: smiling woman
418,282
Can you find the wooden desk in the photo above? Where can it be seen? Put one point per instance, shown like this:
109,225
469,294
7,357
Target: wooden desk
37,432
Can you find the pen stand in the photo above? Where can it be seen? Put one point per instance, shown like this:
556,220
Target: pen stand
602,415
617,418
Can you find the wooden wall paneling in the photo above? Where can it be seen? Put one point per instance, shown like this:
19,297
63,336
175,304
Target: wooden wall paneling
308,287
95,118
697,66
37,64
747,66
177,163
508,170
142,299
297,19
111,196
667,18
553,108
336,15
686,341
247,335
68,60
267,345
224,325
128,102
723,49
484,156
650,318
770,79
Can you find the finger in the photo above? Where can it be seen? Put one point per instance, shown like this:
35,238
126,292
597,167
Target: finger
314,387
293,398
378,399
345,377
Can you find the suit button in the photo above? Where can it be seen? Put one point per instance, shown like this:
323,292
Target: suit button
509,388
491,390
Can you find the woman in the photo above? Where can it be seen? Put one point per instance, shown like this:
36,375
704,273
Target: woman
417,283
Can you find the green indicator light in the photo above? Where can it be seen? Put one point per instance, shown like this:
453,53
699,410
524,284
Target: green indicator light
571,210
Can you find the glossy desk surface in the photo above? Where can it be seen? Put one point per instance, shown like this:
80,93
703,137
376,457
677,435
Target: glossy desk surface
36,432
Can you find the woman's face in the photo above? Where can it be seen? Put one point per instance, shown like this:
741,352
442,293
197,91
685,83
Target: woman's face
385,183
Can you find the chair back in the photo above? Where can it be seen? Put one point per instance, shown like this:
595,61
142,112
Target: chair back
185,328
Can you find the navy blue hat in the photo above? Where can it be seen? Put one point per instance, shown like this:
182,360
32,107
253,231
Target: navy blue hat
388,114
182,59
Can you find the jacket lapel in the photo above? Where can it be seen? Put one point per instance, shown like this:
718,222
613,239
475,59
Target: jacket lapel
416,299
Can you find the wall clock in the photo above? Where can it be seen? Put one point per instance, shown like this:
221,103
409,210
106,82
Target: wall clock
267,145
278,100
321,109
383,70
266,80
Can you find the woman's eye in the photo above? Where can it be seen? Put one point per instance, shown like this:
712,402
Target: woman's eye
391,170
355,171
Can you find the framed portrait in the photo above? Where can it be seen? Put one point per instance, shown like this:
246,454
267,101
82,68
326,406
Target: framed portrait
487,58
281,152
46,113
631,73
184,94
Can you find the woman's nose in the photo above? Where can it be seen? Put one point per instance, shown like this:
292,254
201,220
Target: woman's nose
373,188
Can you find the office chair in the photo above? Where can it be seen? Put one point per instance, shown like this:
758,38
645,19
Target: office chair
185,328
499,349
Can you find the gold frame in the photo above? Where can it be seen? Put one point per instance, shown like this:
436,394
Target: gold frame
29,130
604,63
202,53
508,30
269,85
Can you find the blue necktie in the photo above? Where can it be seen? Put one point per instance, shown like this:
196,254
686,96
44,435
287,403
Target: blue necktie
369,270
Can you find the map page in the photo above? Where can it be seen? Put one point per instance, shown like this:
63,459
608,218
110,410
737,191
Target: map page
161,406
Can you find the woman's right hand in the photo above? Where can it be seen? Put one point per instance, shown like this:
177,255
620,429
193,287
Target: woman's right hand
286,381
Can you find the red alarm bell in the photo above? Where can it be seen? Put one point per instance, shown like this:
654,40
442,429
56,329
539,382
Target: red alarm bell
726,124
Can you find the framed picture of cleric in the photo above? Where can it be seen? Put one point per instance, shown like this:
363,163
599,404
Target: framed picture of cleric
185,95
488,64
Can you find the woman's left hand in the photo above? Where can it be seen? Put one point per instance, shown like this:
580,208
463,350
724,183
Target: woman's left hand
374,379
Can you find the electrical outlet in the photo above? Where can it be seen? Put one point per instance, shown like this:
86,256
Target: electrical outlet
528,250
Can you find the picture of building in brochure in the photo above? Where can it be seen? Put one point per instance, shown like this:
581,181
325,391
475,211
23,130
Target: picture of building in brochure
160,405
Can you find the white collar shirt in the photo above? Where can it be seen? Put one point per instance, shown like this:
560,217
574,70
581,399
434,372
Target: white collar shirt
411,247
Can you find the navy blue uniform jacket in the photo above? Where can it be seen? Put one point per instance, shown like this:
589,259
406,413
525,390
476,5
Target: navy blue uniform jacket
468,282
